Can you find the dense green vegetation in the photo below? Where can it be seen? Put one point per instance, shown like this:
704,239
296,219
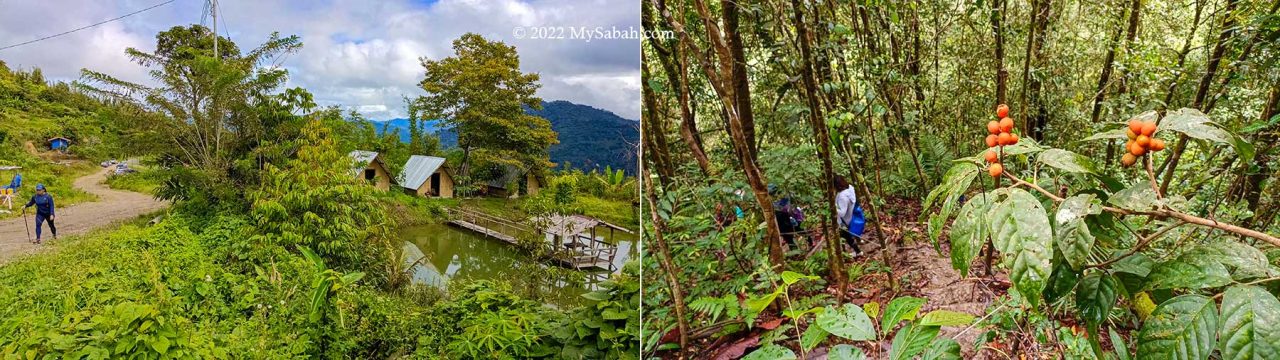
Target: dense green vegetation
272,248
1047,247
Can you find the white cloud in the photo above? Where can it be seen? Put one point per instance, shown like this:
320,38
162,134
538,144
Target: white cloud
361,55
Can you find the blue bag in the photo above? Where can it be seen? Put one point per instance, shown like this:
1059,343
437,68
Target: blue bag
858,222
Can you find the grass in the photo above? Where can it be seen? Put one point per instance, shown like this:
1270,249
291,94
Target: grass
144,181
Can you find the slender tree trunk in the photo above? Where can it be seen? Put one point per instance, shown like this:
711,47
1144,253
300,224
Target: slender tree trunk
1228,28
655,138
823,139
1135,14
672,58
1104,79
1244,56
1035,53
1002,74
665,261
1267,139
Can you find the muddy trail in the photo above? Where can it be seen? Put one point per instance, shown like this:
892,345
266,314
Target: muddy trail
113,206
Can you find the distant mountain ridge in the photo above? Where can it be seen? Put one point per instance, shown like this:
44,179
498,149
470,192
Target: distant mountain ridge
590,138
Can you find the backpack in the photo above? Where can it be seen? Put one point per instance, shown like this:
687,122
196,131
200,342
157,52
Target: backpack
858,222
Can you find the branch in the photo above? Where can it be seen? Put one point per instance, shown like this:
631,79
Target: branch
1142,243
1163,213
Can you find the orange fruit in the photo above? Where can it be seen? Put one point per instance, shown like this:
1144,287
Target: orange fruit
1143,141
1157,144
995,169
1128,159
1148,129
1135,126
993,127
991,141
1013,139
991,156
1006,124
1136,150
1002,110
1129,133
1005,138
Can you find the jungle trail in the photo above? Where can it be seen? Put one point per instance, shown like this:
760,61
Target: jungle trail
1081,258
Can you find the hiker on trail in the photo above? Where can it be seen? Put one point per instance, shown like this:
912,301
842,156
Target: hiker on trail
788,216
44,210
850,213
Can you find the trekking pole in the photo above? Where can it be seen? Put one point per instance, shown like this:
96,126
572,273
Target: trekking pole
24,224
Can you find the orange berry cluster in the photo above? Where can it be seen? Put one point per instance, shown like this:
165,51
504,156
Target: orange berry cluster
1001,134
1141,140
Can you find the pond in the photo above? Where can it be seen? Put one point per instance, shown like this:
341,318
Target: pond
448,253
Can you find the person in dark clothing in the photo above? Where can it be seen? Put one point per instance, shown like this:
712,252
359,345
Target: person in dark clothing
44,211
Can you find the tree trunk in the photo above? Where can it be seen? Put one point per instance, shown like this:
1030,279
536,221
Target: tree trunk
1035,53
1266,140
1002,75
655,138
1228,27
665,261
672,58
819,125
1135,14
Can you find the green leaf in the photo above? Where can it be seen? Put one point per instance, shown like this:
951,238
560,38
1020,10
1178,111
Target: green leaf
845,352
1065,161
1189,271
1250,324
1183,328
813,336
1073,237
899,309
1245,262
1024,146
954,184
771,352
848,322
911,340
597,296
1095,295
1195,124
942,349
946,318
969,233
791,277
1109,134
1021,231
1118,344
1138,198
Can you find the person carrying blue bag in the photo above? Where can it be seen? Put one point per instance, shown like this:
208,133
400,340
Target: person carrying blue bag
44,210
852,220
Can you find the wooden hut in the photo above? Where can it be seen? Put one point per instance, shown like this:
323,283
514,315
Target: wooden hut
369,166
499,186
427,176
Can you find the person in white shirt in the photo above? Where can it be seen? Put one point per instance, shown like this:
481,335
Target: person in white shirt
845,202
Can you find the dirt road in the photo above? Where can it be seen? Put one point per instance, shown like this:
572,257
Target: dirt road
112,206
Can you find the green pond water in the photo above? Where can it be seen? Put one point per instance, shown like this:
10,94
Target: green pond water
449,254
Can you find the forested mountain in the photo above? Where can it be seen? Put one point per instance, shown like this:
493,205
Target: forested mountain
590,138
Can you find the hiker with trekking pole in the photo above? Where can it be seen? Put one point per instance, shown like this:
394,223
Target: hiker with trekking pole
44,212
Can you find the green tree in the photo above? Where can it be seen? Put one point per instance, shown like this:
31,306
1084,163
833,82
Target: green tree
212,106
481,93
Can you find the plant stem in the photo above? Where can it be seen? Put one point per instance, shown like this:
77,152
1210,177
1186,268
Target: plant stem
1164,213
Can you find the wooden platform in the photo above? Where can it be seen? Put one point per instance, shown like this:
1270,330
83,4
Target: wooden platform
583,252
483,231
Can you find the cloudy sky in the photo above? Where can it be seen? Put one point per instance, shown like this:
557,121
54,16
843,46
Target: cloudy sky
358,54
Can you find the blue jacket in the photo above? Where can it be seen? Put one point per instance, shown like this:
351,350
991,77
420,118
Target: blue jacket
43,203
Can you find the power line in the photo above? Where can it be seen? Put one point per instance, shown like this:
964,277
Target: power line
86,27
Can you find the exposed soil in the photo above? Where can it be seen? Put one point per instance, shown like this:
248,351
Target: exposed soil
113,206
